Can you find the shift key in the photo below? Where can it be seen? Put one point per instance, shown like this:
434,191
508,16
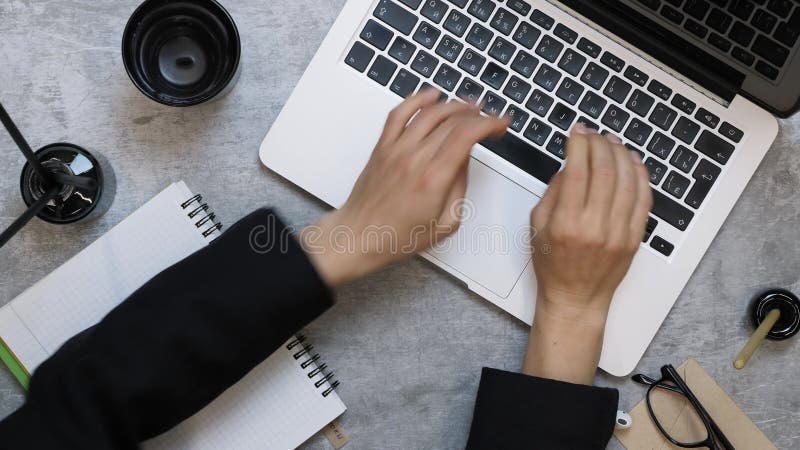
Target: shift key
395,16
672,212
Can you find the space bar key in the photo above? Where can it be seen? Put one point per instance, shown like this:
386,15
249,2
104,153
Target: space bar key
525,156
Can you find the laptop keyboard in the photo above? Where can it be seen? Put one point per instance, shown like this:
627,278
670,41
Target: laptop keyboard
519,62
758,33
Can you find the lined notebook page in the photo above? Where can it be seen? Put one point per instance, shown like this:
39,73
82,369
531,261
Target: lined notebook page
276,406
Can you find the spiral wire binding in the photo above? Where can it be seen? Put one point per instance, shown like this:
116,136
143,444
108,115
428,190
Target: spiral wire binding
303,352
208,222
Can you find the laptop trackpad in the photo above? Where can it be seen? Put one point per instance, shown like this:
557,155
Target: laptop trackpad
492,246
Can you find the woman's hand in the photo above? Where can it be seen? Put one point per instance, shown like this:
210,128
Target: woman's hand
403,201
590,224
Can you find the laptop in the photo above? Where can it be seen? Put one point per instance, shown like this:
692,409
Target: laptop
691,85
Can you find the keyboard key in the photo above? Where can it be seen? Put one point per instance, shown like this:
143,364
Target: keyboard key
672,14
447,77
405,83
524,63
427,35
615,118
424,63
542,19
714,147
695,28
684,104
520,6
547,77
539,103
770,50
764,21
663,116
676,184
493,104
434,10
719,42
504,21
767,70
588,123
457,23
518,118
558,145
640,103
661,145
697,8
594,76
449,48
572,62
705,175
589,47
482,9
741,8
469,91
719,20
686,130
652,224
523,155
617,89
479,36
376,34
570,91
526,35
684,159
662,246
743,56
413,4
705,117
494,75
537,132
359,57
731,132
565,34
638,132
382,70
780,7
612,62
672,212
593,104
517,89
459,3
562,116
472,62
786,34
395,16
661,91
656,170
402,50
742,34
636,75
502,50
549,48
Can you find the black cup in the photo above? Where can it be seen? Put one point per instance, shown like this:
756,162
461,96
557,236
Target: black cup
182,53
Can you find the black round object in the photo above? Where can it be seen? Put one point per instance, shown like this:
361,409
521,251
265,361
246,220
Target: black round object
72,203
181,53
789,322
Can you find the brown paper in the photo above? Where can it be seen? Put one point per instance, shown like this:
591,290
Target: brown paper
678,418
335,434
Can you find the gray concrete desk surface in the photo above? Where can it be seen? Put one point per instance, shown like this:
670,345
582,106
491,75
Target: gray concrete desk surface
408,343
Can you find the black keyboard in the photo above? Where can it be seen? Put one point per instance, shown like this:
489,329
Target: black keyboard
522,63
759,34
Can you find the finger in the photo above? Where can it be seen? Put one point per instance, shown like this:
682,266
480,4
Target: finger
399,117
627,189
544,210
456,148
603,177
572,196
430,118
437,137
644,201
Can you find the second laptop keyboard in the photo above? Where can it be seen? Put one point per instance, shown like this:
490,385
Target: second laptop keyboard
521,63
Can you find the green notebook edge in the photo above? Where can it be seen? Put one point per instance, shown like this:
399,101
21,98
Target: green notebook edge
17,369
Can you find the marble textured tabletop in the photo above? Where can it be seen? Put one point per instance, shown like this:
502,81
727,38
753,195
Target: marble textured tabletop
408,343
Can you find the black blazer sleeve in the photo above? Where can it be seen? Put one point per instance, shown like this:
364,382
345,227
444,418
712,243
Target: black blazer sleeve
516,411
174,345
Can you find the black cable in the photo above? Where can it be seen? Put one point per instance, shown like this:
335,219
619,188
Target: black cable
23,146
26,217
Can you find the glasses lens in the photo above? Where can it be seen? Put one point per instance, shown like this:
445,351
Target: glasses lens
676,415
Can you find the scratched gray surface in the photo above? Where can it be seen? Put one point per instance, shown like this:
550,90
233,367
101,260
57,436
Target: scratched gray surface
409,342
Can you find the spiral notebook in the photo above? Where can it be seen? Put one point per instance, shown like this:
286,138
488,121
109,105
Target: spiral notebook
278,405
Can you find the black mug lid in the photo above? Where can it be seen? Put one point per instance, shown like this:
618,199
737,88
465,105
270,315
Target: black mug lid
181,53
788,323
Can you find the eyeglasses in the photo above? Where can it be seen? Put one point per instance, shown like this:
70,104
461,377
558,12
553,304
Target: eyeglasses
678,414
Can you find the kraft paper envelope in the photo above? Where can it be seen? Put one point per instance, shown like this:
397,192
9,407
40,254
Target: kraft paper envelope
676,416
